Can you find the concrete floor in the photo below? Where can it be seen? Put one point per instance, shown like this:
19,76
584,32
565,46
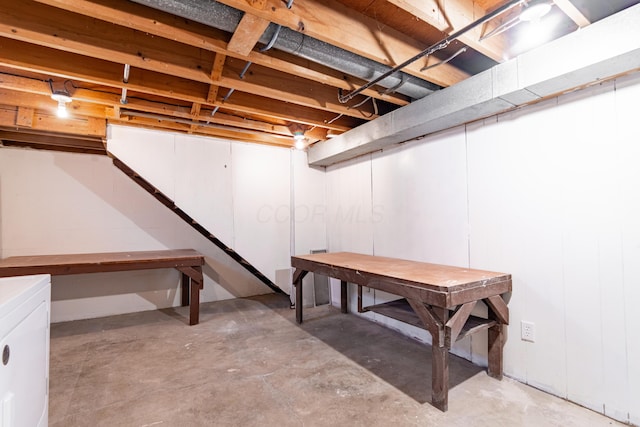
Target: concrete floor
248,364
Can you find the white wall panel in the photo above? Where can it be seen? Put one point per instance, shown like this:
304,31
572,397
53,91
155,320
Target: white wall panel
350,215
150,153
627,300
350,211
514,228
310,214
261,178
203,183
420,201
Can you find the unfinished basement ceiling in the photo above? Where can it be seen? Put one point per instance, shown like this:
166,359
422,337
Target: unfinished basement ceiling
258,71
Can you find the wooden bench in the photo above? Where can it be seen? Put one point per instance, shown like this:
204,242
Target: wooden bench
438,298
188,261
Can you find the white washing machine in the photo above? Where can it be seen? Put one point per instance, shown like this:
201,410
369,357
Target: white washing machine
24,349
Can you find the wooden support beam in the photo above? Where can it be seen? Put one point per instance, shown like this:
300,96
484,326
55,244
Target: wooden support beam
25,116
160,24
453,15
457,321
202,129
216,73
51,141
247,34
499,308
51,123
52,27
33,58
266,82
336,24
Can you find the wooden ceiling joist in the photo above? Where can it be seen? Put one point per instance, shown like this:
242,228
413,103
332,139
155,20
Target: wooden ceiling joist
458,14
160,24
332,22
247,34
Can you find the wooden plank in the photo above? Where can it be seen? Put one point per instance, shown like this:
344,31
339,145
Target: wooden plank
572,12
298,275
33,101
131,15
50,123
338,25
247,34
42,26
456,323
216,73
269,83
52,141
401,310
26,56
417,274
25,116
453,15
499,308
52,27
202,129
430,322
98,262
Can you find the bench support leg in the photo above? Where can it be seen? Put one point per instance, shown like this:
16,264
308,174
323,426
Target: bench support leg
440,377
184,293
194,306
496,344
343,296
192,282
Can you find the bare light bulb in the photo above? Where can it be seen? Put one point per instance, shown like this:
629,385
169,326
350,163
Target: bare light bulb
62,99
299,144
62,110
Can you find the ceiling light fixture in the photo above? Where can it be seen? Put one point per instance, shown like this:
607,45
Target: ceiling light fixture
62,98
530,13
61,95
297,131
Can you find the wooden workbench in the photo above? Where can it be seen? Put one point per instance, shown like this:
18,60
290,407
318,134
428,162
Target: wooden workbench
438,298
188,261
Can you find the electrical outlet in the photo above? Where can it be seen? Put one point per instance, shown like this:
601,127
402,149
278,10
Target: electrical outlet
528,331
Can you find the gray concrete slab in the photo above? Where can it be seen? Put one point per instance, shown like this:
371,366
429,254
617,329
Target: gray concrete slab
248,364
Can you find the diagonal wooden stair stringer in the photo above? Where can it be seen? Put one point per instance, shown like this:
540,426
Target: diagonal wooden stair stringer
162,198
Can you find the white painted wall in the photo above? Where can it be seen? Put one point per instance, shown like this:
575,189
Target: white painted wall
240,192
310,214
72,203
549,193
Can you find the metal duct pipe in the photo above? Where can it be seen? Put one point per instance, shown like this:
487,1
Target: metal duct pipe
223,17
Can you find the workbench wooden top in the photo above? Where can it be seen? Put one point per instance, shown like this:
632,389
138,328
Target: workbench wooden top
420,274
96,262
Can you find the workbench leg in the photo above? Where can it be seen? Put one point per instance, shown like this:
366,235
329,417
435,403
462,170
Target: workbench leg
194,306
440,377
496,345
184,292
298,286
343,296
